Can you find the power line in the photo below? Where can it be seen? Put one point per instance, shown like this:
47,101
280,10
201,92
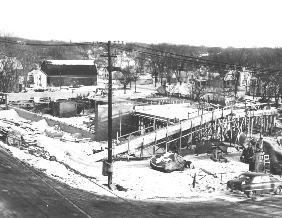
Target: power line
163,54
186,56
180,60
9,41
201,59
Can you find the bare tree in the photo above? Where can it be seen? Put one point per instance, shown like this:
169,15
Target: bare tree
125,77
8,73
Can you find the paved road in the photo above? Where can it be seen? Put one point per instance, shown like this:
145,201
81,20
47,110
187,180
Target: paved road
26,193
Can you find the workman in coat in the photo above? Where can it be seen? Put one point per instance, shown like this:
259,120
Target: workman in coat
247,154
259,166
250,153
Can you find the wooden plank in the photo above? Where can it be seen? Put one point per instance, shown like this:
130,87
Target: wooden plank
150,137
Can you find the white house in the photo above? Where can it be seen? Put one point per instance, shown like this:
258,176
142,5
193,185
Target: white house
37,79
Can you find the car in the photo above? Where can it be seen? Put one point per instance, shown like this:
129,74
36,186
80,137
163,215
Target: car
40,90
23,103
252,183
209,109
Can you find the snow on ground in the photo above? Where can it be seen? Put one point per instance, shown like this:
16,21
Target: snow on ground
74,167
73,164
143,182
137,177
78,122
9,114
180,111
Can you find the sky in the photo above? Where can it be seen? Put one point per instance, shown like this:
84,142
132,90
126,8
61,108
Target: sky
219,23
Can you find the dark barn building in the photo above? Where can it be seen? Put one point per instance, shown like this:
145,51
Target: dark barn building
70,72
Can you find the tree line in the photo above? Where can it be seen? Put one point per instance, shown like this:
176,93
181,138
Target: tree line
159,60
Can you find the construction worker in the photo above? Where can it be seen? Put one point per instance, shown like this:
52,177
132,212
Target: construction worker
247,155
259,167
250,153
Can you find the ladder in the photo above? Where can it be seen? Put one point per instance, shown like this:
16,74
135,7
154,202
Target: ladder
266,163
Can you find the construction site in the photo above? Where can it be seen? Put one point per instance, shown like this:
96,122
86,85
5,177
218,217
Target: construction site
67,140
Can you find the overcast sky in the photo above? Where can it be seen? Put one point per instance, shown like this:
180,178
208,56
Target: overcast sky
237,23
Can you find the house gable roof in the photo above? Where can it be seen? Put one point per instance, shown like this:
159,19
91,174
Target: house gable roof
229,76
70,62
35,71
79,68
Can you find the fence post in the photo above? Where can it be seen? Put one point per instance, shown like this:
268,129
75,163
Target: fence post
249,126
191,133
231,130
6,101
221,130
120,122
142,149
166,140
154,146
252,126
180,137
201,120
117,136
194,180
128,147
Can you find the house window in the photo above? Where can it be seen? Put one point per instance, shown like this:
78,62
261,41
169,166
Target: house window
230,83
30,79
203,83
253,82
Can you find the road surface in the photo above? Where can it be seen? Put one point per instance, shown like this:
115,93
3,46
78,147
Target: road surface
26,193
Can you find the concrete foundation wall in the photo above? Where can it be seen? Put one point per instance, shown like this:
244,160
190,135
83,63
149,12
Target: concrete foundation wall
128,126
161,107
64,127
53,95
103,111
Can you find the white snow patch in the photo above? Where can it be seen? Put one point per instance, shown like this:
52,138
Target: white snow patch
9,114
137,177
42,125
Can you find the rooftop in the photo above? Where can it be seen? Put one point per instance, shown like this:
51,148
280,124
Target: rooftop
69,62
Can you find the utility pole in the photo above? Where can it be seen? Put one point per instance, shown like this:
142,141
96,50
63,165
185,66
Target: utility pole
60,80
110,136
110,146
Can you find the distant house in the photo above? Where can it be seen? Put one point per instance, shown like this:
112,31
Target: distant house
70,72
37,79
255,86
229,79
104,73
145,79
243,80
168,77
